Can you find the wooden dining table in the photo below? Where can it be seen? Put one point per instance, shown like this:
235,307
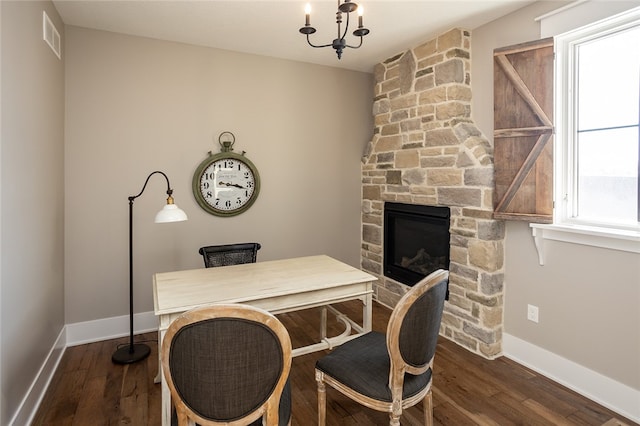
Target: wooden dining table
277,286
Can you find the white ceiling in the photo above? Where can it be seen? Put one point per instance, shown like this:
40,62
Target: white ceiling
270,28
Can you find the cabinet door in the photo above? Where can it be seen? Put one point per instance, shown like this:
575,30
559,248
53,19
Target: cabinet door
523,131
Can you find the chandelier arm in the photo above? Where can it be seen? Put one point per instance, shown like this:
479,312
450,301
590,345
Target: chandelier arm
346,27
355,47
313,45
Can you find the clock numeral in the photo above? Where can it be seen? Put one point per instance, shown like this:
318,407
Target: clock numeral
205,185
209,176
208,194
249,184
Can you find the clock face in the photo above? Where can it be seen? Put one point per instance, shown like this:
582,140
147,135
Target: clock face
226,184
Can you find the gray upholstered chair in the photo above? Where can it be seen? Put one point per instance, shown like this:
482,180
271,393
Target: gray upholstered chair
228,364
393,372
229,254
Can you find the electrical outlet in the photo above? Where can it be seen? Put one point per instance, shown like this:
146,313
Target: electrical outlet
532,313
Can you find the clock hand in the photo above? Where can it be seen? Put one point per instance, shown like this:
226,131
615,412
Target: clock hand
231,184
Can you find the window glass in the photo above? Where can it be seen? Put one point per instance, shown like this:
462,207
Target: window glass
608,175
608,80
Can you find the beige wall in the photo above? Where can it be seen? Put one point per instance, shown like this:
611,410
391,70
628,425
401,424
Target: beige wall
134,105
32,188
588,297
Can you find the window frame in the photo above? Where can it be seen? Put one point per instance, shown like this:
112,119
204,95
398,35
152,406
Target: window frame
565,227
566,120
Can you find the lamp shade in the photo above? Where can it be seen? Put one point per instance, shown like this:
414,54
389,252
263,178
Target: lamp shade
170,213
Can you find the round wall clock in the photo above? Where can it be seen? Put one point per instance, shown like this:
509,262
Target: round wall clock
226,184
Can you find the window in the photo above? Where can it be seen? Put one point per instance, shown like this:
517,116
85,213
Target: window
597,121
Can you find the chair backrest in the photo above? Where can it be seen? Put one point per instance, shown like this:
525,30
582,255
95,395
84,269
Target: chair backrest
229,254
226,364
414,325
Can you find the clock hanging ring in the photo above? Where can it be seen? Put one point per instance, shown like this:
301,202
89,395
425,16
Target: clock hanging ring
226,183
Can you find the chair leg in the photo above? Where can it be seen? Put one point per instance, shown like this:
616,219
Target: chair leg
394,420
322,399
427,406
396,412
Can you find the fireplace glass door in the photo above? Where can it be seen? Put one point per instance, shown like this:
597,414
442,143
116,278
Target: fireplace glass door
416,241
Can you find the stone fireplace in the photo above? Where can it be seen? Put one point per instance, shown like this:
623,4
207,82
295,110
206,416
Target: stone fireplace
426,150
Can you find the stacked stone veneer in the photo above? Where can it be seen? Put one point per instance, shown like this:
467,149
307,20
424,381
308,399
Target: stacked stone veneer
427,150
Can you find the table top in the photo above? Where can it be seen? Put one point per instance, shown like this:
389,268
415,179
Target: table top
183,290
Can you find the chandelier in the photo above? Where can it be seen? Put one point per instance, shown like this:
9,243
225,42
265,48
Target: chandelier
339,43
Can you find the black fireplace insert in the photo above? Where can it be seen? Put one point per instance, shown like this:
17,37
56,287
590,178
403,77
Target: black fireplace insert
416,241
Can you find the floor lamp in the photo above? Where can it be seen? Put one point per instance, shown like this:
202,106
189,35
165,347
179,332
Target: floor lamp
170,213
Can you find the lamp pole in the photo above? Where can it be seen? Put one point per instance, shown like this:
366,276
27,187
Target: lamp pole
170,213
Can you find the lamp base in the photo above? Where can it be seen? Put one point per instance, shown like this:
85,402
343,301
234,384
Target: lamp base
125,355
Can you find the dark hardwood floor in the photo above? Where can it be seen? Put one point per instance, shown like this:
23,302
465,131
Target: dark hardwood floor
88,389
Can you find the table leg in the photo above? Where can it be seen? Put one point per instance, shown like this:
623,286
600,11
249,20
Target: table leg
166,404
323,323
367,313
164,388
158,378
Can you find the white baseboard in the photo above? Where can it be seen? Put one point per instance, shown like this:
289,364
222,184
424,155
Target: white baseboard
29,405
80,333
614,395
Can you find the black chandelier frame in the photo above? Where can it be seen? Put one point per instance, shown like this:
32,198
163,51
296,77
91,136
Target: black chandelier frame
340,43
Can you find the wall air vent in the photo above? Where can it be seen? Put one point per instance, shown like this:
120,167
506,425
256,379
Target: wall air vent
50,34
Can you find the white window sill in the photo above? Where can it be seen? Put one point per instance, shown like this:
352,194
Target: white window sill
589,236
